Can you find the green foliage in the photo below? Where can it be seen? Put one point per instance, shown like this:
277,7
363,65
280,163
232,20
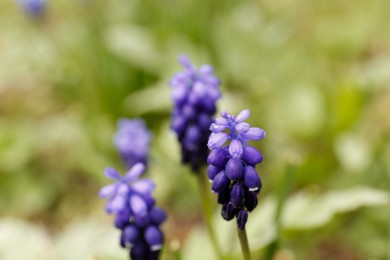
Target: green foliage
315,75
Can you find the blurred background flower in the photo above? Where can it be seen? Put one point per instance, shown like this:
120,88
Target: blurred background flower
315,74
132,141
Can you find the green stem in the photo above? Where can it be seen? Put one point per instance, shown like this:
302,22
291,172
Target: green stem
208,210
244,243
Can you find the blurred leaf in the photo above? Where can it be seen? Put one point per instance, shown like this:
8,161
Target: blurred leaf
22,240
86,238
198,246
150,99
135,44
305,211
354,153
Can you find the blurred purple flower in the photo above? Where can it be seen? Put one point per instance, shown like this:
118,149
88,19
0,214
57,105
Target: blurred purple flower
195,92
132,141
128,190
130,199
33,7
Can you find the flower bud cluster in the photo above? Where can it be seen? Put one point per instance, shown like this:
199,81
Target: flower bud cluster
132,141
130,200
195,92
232,167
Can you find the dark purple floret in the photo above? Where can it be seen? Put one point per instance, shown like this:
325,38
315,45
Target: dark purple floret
195,92
250,200
218,157
237,195
232,167
220,183
242,218
212,171
157,216
129,236
252,179
224,196
139,251
228,211
142,221
122,218
154,238
251,155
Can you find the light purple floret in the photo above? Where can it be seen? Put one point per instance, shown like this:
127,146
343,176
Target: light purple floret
128,190
238,130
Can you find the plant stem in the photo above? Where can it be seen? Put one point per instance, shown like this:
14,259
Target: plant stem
244,243
208,210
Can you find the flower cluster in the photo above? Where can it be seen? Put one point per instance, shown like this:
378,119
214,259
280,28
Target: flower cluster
194,94
33,7
132,141
130,199
232,167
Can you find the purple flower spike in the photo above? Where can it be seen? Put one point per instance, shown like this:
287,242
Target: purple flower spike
195,92
232,165
132,141
130,199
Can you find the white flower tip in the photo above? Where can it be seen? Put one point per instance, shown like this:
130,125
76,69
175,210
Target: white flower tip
156,247
253,189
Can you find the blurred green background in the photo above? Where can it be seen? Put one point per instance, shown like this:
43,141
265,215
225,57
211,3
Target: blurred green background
315,74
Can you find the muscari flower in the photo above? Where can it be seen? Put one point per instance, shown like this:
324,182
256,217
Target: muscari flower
33,7
139,220
127,190
132,141
232,167
195,92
